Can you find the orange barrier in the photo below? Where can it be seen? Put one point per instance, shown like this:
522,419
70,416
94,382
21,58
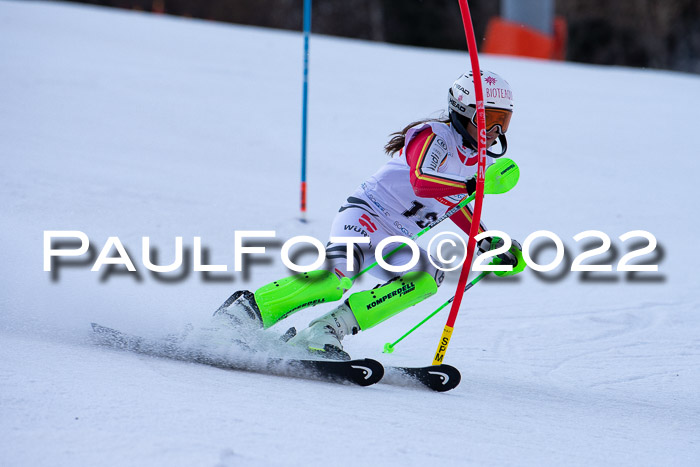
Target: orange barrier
509,38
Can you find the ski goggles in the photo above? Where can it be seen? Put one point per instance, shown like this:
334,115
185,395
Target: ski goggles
495,118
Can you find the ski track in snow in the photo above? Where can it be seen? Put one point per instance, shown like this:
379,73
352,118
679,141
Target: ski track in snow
127,124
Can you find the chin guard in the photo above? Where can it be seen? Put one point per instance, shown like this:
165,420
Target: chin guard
467,138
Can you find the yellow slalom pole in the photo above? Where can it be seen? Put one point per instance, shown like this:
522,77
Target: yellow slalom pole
442,346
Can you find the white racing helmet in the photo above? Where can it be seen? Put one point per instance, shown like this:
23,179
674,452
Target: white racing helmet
498,101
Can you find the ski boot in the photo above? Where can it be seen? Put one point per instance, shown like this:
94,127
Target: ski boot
239,310
235,322
324,335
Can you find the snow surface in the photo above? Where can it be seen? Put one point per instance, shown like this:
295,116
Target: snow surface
127,124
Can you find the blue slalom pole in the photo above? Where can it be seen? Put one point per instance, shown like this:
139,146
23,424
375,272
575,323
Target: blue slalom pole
307,32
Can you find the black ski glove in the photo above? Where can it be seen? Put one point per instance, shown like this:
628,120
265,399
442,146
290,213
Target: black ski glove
512,257
471,185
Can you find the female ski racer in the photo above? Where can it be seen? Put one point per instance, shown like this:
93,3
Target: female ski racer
433,166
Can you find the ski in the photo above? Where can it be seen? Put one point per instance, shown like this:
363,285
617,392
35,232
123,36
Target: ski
363,372
439,378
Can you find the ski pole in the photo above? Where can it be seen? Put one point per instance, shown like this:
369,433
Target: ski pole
389,346
500,177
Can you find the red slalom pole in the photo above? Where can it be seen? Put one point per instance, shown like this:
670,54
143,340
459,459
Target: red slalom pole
481,170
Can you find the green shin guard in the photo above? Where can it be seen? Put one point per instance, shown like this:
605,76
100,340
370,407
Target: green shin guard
371,307
281,298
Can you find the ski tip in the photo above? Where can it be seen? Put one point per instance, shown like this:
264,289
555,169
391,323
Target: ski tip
443,378
363,372
438,378
371,371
